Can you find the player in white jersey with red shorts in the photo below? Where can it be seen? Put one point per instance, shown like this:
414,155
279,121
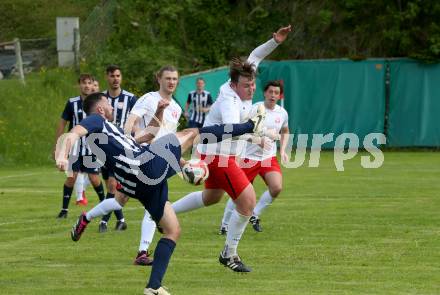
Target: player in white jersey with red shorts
259,157
233,105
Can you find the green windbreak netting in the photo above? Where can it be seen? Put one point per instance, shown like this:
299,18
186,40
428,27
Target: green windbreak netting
331,96
344,96
414,116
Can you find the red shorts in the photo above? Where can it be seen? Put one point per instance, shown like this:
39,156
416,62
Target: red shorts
252,168
225,174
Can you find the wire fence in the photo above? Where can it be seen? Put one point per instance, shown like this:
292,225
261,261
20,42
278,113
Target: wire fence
42,52
96,29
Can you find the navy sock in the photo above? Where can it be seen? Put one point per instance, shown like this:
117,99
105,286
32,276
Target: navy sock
119,215
67,193
99,189
223,131
162,255
106,217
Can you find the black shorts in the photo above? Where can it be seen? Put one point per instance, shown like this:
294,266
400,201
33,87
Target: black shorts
107,172
152,190
194,124
85,164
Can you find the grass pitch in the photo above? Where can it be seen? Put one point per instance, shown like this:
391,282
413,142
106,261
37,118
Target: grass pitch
361,231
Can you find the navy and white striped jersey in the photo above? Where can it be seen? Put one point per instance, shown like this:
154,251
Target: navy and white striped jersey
197,101
122,106
116,151
73,113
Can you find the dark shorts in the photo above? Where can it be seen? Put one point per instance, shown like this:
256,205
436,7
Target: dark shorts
83,164
107,172
152,188
194,124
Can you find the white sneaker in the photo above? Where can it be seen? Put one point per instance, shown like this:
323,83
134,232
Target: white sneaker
160,291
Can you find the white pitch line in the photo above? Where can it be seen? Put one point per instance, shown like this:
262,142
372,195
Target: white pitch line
36,220
33,191
27,174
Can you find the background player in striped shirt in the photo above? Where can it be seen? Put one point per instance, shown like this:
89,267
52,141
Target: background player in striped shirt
142,170
259,157
122,102
143,116
81,156
82,181
197,105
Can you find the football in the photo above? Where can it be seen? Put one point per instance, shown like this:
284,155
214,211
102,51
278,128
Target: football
195,171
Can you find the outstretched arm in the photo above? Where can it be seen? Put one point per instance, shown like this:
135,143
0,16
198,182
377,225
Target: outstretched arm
260,53
60,130
130,125
64,145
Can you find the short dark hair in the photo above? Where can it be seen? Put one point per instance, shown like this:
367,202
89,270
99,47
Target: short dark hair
168,68
111,68
238,68
83,77
200,79
90,102
274,83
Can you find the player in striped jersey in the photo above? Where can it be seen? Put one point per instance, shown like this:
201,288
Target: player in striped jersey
141,170
122,102
259,156
82,181
199,101
81,155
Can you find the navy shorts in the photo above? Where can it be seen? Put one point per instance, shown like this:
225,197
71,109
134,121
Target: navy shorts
152,191
107,172
194,124
84,164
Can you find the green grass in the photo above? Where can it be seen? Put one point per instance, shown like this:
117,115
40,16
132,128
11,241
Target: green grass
354,232
29,115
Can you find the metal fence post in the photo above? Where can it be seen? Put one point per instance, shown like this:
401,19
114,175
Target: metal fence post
19,60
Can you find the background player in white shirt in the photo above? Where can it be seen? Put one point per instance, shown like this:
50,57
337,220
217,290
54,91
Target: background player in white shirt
259,157
141,116
232,106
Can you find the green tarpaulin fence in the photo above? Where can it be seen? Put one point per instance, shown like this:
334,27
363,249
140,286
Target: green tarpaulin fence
344,96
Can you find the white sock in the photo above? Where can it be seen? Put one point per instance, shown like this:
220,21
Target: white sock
237,225
103,208
229,208
265,200
189,202
79,186
86,181
147,232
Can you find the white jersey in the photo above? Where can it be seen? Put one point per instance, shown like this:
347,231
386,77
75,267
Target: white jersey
230,109
275,119
146,107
